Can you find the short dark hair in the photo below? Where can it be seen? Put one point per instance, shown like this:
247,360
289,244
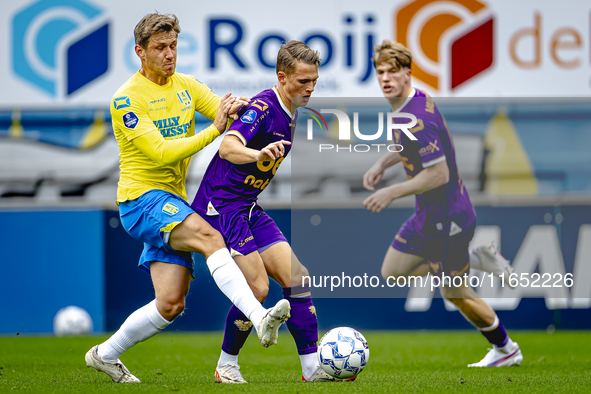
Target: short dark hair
295,51
155,23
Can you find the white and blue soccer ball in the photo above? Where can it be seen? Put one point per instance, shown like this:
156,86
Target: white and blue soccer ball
72,321
343,352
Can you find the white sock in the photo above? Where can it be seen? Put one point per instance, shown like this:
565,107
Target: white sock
232,283
226,358
493,326
139,326
309,364
508,346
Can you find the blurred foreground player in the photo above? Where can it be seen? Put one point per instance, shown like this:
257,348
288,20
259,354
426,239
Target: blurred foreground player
436,238
154,122
248,158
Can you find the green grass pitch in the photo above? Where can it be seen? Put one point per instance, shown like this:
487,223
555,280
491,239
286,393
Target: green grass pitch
399,362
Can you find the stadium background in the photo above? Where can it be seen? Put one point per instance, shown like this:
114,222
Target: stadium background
511,78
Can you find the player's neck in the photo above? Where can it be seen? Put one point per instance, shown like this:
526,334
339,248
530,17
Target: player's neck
285,100
396,102
157,79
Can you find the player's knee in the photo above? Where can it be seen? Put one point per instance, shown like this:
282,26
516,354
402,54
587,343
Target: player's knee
209,240
388,272
261,292
300,274
384,273
455,295
260,289
170,308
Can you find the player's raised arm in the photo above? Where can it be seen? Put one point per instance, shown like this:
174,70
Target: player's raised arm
165,152
233,150
373,176
428,179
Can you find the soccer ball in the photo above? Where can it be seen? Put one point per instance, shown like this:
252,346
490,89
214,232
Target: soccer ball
70,321
343,352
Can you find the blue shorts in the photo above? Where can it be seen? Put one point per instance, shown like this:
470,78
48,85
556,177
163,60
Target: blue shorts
447,255
246,229
150,219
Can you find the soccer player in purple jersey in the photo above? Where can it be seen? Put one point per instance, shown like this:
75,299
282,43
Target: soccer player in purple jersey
435,239
246,162
153,117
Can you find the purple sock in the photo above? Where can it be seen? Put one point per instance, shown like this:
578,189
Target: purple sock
303,323
237,329
497,336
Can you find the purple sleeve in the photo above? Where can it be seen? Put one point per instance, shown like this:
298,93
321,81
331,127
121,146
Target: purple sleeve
430,147
250,122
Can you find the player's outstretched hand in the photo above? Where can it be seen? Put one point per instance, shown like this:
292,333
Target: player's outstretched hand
221,118
273,151
372,177
238,104
378,201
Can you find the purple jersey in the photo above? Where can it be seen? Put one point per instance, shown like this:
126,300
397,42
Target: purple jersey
227,186
445,210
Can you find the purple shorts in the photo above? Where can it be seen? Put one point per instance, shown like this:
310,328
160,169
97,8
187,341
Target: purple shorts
447,255
246,229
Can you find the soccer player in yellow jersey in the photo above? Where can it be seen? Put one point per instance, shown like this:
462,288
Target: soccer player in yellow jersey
154,123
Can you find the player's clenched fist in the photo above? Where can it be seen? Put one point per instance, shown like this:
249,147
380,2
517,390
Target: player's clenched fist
273,151
221,118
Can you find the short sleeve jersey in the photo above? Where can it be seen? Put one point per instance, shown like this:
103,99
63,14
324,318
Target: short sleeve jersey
227,186
141,106
447,209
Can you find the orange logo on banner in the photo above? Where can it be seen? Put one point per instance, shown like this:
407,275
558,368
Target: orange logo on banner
420,26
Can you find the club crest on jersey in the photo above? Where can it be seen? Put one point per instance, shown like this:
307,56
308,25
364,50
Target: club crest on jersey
249,116
170,209
130,120
121,102
184,97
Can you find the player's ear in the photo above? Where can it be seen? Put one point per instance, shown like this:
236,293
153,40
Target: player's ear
281,76
139,51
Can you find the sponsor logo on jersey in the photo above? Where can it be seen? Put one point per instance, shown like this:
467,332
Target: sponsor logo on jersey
431,148
121,102
170,209
184,97
171,127
130,120
249,116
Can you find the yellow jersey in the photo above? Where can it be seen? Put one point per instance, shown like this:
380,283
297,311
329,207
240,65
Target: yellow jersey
141,106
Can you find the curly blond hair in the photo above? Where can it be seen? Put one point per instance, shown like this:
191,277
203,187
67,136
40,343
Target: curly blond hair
393,53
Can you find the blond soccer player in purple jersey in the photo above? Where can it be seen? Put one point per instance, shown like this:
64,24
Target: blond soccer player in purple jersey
154,123
435,239
249,156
